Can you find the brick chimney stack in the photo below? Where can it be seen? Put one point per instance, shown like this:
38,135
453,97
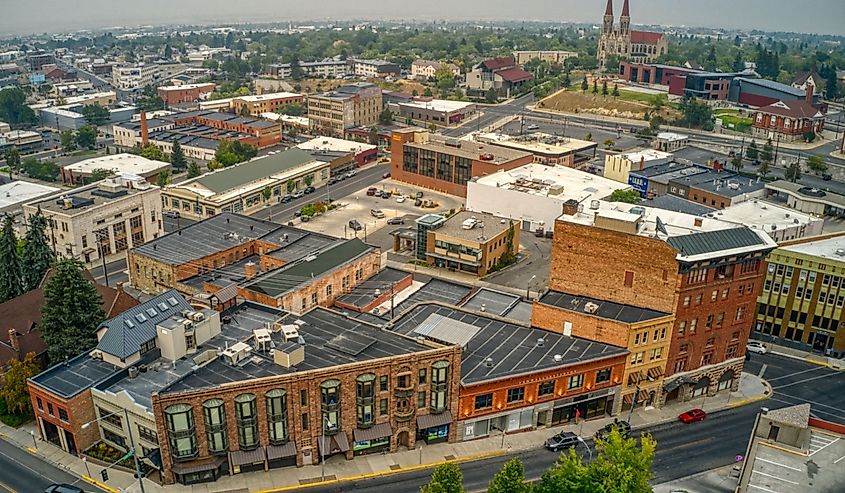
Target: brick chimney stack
145,132
13,340
250,270
808,94
570,207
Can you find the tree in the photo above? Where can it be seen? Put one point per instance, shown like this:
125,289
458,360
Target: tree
13,107
793,172
816,164
95,114
627,196
763,170
615,92
739,64
492,95
266,193
595,86
584,84
697,114
86,137
193,170
13,159
15,391
100,174
290,186
589,137
385,117
292,109
308,180
40,170
568,474
609,143
752,152
567,80
372,136
446,478
296,72
150,151
830,86
768,152
604,91
37,256
168,52
177,157
68,140
163,178
149,100
71,311
510,479
11,282
736,162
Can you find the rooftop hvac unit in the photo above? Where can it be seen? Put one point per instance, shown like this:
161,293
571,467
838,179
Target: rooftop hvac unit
558,358
262,338
290,332
594,204
133,372
591,307
840,252
469,223
197,316
237,353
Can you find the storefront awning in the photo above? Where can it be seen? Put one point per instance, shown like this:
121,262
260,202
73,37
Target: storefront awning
432,420
642,396
628,398
199,466
281,451
378,431
330,444
655,373
674,384
635,377
243,457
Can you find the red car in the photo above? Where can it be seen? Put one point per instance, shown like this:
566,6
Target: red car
692,416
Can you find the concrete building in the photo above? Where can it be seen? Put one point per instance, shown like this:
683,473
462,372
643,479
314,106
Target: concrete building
425,69
801,303
70,117
352,105
502,74
240,188
263,103
806,199
15,193
779,222
326,69
622,42
185,93
472,242
374,68
426,160
617,167
118,164
331,147
670,141
788,121
718,189
23,140
428,112
705,272
534,195
556,57
103,219
547,149
134,77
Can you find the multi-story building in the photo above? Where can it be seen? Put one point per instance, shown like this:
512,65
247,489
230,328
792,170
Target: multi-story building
240,188
704,272
352,105
185,93
547,149
264,103
788,121
326,69
472,242
447,165
374,68
118,164
618,167
101,220
425,69
429,112
779,222
502,74
801,303
763,92
807,199
622,42
552,56
134,77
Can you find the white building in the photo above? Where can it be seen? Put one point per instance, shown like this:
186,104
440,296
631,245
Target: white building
102,219
131,77
439,112
15,193
779,222
425,69
670,141
118,164
534,194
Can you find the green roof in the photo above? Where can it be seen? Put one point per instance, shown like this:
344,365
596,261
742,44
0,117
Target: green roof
714,241
241,174
289,277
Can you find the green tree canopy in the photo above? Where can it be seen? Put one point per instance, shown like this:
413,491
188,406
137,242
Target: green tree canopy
767,154
696,114
816,163
71,311
68,140
15,390
37,255
752,152
11,281
13,159
793,172
86,137
446,478
193,170
510,479
100,174
163,178
40,170
292,109
149,100
177,157
13,108
627,196
95,114
231,152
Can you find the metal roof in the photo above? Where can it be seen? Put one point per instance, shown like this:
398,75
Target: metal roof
128,331
714,241
446,330
770,84
241,174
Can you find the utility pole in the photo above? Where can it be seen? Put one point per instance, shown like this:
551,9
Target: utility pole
99,235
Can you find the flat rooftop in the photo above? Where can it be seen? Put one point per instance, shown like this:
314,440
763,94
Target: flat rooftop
671,136
807,193
185,140
330,339
496,349
442,105
363,294
552,181
72,377
472,150
239,175
85,198
435,290
646,155
539,143
119,164
677,204
499,303
269,96
19,192
187,87
606,309
829,248
764,215
333,144
488,226
723,184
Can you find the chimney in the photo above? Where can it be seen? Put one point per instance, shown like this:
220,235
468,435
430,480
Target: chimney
570,207
250,270
145,133
13,340
642,162
259,89
808,93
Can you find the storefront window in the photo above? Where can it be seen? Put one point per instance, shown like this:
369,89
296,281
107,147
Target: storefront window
439,386
245,415
330,403
365,395
180,431
277,416
215,425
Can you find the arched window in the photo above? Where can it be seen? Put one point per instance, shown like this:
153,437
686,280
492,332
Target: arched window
214,414
181,435
245,416
277,416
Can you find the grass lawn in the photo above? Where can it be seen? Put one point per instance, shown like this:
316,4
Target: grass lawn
640,96
734,122
85,153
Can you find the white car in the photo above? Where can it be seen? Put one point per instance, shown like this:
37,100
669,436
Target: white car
756,347
400,199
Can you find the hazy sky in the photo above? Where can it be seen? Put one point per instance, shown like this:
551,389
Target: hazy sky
28,16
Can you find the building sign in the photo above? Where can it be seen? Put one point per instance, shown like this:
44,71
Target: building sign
638,183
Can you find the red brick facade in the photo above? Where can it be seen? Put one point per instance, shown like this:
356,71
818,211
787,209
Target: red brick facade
60,420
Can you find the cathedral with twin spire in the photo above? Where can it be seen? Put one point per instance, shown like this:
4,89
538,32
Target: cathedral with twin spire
622,42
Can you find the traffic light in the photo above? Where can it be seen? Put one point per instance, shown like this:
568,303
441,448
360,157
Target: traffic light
105,474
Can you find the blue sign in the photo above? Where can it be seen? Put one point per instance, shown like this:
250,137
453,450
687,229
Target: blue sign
638,183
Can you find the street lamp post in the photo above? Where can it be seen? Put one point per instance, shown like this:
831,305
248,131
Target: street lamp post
634,402
589,450
132,449
528,287
323,449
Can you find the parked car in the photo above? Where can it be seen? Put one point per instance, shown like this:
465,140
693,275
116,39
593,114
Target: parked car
533,126
827,177
305,219
350,174
623,426
400,199
377,213
418,202
298,195
297,213
386,194
310,190
354,225
372,191
419,194
756,347
332,181
63,488
692,416
287,198
395,220
173,214
563,440
386,175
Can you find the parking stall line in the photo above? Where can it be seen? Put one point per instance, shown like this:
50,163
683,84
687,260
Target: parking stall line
773,477
777,464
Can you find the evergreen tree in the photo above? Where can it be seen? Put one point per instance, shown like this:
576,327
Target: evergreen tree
793,172
831,89
739,64
11,284
763,170
447,478
768,152
193,170
37,255
752,152
615,92
604,91
595,87
510,479
13,159
71,312
584,84
177,157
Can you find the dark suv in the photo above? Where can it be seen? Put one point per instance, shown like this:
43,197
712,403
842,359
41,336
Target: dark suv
623,426
563,440
63,488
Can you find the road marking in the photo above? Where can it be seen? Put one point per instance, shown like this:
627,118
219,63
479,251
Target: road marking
805,380
817,368
762,370
837,414
8,488
761,488
839,459
826,445
772,476
778,464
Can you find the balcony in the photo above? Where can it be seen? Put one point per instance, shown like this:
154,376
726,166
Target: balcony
402,415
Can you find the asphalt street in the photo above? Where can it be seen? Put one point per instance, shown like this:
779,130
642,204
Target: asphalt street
22,472
682,450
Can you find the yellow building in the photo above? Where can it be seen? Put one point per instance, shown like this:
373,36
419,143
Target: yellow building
352,105
472,242
617,167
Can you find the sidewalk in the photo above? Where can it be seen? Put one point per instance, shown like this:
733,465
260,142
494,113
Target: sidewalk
751,388
809,357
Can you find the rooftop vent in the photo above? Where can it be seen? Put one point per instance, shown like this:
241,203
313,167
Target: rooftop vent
488,362
840,252
591,307
133,372
558,358
262,338
541,342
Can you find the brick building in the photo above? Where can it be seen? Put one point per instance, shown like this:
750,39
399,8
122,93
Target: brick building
704,272
352,105
621,41
332,385
788,121
425,160
264,103
185,93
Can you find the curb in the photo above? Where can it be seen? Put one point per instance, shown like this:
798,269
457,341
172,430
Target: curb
808,359
371,475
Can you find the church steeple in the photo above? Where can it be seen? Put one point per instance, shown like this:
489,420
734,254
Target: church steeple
625,19
607,23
